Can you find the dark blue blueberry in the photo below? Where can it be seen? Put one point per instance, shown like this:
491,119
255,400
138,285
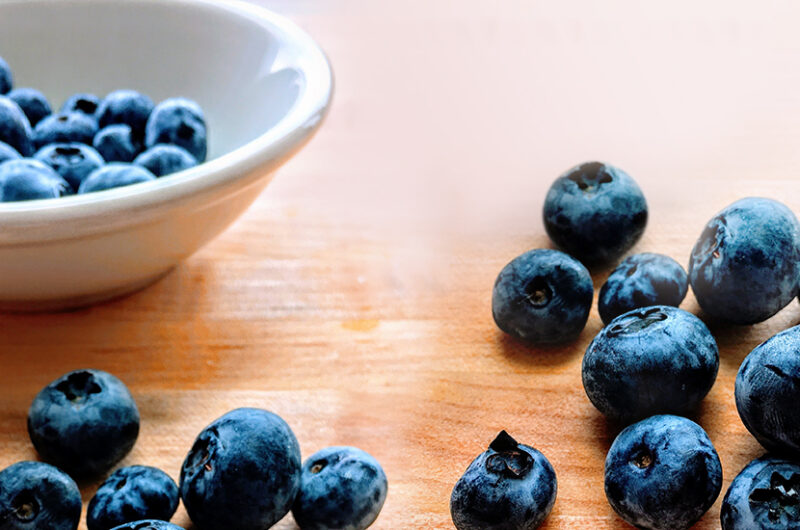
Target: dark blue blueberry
340,488
768,392
242,473
642,280
116,143
27,179
74,162
746,264
150,524
8,153
15,130
132,494
84,422
510,486
595,212
165,159
32,102
543,297
764,495
653,360
83,103
180,122
662,473
115,175
65,128
6,79
127,107
37,496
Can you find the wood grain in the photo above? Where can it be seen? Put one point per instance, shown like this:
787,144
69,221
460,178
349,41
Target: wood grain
353,298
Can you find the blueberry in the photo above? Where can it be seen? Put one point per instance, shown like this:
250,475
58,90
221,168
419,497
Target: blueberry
15,130
32,102
8,153
27,179
165,159
662,473
510,486
764,495
84,422
768,390
127,107
543,296
746,264
73,161
83,103
595,212
648,361
65,128
132,494
242,472
642,280
34,496
180,122
340,488
6,79
149,524
116,143
115,175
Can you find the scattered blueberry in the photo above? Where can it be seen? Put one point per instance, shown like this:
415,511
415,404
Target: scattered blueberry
115,175
83,103
543,296
165,159
116,143
642,280
509,486
340,488
32,102
653,360
178,121
28,179
35,496
6,79
243,472
84,422
150,524
65,128
662,473
127,107
15,130
764,495
746,264
595,212
768,392
132,494
8,153
74,161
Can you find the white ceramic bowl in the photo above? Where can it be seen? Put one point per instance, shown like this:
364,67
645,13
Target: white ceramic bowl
264,86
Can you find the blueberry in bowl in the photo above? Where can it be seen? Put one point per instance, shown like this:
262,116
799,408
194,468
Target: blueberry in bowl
32,102
35,495
165,159
114,175
73,161
27,179
764,495
15,129
65,128
81,102
116,143
126,107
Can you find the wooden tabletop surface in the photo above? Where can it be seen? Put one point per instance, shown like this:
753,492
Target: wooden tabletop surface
353,298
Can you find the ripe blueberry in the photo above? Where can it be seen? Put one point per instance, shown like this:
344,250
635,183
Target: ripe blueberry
65,128
73,161
32,102
15,129
165,159
83,103
115,143
27,179
115,175
34,495
178,121
764,495
127,107
132,494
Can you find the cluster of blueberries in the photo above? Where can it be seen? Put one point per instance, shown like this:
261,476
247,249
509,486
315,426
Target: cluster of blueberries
92,144
243,472
653,363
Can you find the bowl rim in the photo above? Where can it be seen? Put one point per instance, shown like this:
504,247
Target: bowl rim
265,152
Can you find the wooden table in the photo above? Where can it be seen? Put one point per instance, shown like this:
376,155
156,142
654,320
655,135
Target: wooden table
353,299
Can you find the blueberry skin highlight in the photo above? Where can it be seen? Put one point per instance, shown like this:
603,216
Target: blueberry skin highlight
662,473
642,280
595,212
242,473
132,494
32,102
34,495
178,121
73,161
65,128
8,153
510,486
15,129
81,102
341,488
764,495
127,107
543,297
27,179
768,390
6,79
653,360
165,159
746,264
84,422
115,175
115,143
150,524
